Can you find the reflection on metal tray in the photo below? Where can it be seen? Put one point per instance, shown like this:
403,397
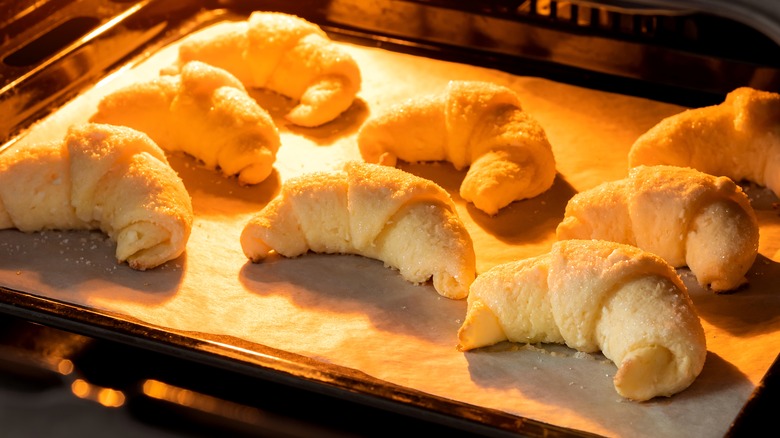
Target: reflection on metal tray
233,368
611,46
143,392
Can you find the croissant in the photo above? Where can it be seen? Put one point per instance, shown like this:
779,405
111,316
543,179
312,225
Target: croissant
103,177
738,138
685,216
285,54
594,296
471,123
203,111
378,212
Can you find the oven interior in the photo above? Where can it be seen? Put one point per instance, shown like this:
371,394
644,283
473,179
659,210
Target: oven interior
683,53
50,50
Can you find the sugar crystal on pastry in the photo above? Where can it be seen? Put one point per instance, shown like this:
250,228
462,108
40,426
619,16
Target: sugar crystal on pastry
408,222
595,295
203,111
474,124
286,54
687,217
738,138
99,177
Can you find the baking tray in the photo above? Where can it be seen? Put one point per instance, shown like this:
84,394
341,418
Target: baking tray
132,30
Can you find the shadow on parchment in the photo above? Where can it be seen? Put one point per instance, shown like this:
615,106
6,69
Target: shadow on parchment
528,220
582,385
523,221
213,193
355,285
750,310
346,124
69,261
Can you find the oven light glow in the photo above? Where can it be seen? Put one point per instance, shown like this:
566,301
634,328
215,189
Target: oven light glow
161,391
110,398
202,402
80,388
65,367
105,396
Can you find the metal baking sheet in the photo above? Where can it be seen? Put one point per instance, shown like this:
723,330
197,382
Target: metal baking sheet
348,326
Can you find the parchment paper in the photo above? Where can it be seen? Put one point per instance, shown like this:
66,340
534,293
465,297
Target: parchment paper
352,311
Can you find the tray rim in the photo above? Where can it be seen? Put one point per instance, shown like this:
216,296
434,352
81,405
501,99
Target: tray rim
274,365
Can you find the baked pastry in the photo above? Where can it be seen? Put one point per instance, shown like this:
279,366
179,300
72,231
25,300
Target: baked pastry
594,296
687,217
379,212
285,54
203,111
103,177
738,138
471,123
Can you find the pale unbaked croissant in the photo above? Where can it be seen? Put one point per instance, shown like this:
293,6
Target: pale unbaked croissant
103,177
286,54
471,123
379,212
687,217
739,138
203,111
595,296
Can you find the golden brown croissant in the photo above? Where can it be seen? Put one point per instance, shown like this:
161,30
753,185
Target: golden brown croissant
203,111
595,296
99,177
379,212
739,138
687,217
286,54
472,123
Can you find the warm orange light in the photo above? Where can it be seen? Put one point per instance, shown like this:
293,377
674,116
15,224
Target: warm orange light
162,391
105,396
80,388
202,402
65,367
110,398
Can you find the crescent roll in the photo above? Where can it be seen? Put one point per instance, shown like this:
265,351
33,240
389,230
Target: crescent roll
472,124
595,296
203,111
285,54
687,217
379,212
738,138
104,177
